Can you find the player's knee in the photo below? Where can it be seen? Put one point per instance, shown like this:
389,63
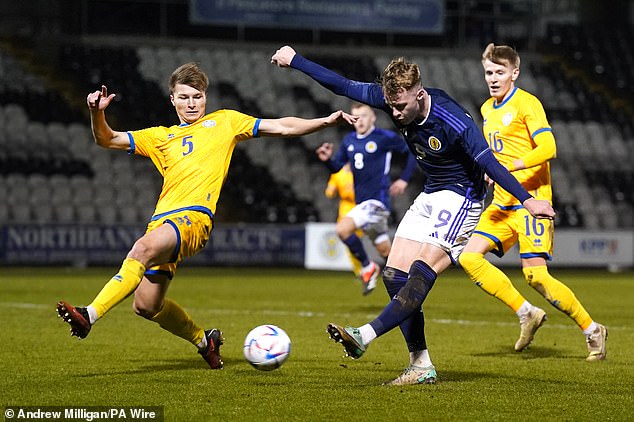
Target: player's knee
343,232
535,276
144,308
141,251
470,260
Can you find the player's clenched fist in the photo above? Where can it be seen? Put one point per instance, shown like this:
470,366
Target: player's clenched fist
283,56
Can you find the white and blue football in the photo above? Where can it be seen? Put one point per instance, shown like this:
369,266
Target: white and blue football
267,347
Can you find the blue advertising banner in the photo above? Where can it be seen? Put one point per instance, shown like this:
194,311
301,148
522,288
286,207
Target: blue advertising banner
66,243
313,246
231,245
250,245
398,16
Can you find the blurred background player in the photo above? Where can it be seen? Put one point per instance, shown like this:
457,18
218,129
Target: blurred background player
521,139
340,185
193,157
454,156
368,150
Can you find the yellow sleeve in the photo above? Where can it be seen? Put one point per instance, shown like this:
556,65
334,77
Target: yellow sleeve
545,150
144,142
243,125
540,131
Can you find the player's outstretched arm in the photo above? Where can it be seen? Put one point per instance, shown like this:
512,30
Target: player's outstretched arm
365,92
296,126
536,207
539,208
104,136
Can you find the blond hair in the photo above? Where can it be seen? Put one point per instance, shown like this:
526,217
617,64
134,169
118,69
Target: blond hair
501,54
189,74
356,105
400,75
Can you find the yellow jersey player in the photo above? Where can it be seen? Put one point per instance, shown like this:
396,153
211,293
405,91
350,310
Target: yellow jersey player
193,158
518,132
341,184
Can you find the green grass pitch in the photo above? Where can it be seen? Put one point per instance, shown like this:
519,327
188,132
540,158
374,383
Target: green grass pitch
128,361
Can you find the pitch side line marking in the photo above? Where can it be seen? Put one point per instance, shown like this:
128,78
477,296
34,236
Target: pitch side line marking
310,314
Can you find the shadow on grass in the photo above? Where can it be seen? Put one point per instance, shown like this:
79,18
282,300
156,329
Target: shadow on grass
162,366
447,376
532,352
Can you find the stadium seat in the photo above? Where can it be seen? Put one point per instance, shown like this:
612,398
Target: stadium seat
593,137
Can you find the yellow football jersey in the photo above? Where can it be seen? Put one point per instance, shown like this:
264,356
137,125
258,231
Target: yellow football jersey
193,158
342,184
510,128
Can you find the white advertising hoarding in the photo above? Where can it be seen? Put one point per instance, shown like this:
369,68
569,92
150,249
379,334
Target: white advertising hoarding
573,248
581,248
324,250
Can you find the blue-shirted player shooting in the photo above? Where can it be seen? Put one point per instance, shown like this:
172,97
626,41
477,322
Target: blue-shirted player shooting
369,150
454,156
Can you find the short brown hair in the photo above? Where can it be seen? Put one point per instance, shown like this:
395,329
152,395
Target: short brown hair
501,54
399,75
189,74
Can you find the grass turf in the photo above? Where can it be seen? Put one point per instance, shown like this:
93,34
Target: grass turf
128,361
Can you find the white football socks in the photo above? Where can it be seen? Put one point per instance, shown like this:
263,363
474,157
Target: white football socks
367,334
92,314
524,309
420,358
203,343
590,329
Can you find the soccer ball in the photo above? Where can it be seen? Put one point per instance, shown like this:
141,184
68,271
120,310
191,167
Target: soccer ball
267,347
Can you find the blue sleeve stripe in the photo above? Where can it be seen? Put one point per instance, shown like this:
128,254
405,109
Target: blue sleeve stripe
132,145
365,92
481,153
538,131
256,128
452,120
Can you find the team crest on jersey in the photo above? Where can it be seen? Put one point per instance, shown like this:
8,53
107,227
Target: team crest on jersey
371,147
507,119
434,143
209,123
